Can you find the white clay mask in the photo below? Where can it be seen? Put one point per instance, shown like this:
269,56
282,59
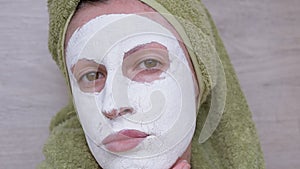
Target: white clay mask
133,91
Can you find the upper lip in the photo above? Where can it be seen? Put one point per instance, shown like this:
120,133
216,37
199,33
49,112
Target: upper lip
124,140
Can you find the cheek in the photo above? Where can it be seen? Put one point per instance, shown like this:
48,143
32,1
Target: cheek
157,104
91,120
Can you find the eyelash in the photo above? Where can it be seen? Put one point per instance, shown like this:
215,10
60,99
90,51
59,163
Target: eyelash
142,64
97,74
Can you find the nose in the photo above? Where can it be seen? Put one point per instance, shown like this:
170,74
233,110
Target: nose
114,113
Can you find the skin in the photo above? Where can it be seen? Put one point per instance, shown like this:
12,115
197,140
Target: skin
92,10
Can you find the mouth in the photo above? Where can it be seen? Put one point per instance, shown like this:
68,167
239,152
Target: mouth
124,140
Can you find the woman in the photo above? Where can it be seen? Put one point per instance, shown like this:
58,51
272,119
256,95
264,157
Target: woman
139,73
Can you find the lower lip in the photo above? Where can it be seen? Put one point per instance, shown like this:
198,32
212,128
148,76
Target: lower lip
124,140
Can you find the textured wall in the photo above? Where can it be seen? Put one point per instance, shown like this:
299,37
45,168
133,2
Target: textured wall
262,38
31,86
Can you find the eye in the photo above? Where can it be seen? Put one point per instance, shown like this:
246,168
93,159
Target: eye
149,64
146,63
92,76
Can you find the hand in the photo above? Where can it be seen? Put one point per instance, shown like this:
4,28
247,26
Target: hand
181,164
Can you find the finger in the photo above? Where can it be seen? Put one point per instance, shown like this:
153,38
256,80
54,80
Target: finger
181,164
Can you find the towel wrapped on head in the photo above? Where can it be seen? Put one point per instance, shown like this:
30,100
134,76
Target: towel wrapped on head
225,135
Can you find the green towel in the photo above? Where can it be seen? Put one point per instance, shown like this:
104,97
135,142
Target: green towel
234,143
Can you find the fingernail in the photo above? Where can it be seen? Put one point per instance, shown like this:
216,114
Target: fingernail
184,161
187,166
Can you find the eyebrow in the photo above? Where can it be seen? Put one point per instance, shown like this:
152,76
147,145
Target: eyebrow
83,63
133,50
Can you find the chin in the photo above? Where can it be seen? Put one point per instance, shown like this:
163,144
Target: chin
130,159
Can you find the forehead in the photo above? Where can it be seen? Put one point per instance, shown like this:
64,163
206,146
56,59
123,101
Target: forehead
91,10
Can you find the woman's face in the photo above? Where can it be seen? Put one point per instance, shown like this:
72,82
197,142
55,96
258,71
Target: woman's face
132,85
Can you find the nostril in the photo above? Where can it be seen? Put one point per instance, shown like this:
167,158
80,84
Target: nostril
115,113
111,114
125,110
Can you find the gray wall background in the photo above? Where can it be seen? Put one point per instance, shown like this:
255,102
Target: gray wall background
262,38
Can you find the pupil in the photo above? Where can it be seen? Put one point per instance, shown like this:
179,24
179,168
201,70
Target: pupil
92,76
150,63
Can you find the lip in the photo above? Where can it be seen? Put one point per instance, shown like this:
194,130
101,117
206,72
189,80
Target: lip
124,140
